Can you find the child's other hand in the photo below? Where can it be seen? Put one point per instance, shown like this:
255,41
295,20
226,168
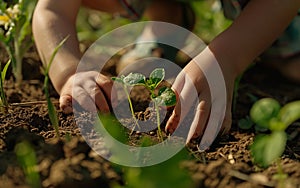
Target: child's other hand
87,86
192,86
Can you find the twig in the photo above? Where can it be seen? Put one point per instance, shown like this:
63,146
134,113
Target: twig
31,103
250,178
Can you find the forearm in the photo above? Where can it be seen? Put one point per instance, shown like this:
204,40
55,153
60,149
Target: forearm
50,27
258,26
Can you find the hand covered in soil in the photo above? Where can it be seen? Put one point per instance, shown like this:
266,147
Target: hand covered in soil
201,83
87,89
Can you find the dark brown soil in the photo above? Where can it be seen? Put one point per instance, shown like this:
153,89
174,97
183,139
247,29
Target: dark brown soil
70,162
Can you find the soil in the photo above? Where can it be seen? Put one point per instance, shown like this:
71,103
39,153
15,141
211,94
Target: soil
70,162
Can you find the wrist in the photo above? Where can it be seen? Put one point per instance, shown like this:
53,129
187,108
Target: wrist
59,76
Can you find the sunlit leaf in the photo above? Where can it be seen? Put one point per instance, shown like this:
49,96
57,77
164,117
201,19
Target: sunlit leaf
267,148
156,76
290,113
133,79
263,111
166,97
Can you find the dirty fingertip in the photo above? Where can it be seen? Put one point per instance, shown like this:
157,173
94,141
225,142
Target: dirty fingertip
65,104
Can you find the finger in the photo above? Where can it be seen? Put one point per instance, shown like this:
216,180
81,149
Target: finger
106,85
214,125
65,103
83,100
188,96
100,100
199,122
65,99
226,126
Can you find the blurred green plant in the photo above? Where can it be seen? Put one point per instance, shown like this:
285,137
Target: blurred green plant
268,113
15,32
27,159
168,174
3,100
210,20
51,108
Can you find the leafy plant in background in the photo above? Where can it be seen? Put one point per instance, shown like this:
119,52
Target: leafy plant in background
169,174
164,97
27,159
3,100
15,32
51,109
267,113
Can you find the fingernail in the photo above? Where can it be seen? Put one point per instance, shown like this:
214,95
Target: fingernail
67,109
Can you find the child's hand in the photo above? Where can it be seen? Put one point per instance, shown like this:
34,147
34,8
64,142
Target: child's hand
213,94
87,86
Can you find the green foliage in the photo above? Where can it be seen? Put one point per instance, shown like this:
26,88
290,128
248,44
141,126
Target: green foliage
210,19
15,32
245,123
51,108
165,97
27,159
264,110
3,100
267,148
168,174
268,113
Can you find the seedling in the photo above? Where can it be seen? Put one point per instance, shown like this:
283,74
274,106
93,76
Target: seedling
15,32
51,109
164,97
267,113
27,158
3,100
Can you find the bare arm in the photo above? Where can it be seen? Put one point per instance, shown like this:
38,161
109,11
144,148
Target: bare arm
53,20
259,24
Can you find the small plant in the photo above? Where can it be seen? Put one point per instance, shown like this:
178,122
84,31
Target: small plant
164,97
267,113
51,109
3,100
27,159
15,32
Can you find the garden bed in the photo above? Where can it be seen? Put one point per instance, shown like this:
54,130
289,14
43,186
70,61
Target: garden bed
70,162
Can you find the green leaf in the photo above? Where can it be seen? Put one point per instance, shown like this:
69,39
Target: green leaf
53,116
156,76
245,123
267,148
263,111
54,54
117,79
166,97
133,79
4,71
275,146
290,113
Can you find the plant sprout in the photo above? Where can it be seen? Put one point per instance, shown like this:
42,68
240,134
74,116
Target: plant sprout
51,109
164,97
15,32
3,100
27,158
267,113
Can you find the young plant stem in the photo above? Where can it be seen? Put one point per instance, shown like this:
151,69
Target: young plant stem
156,107
159,132
131,109
51,108
3,100
18,63
27,159
281,175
